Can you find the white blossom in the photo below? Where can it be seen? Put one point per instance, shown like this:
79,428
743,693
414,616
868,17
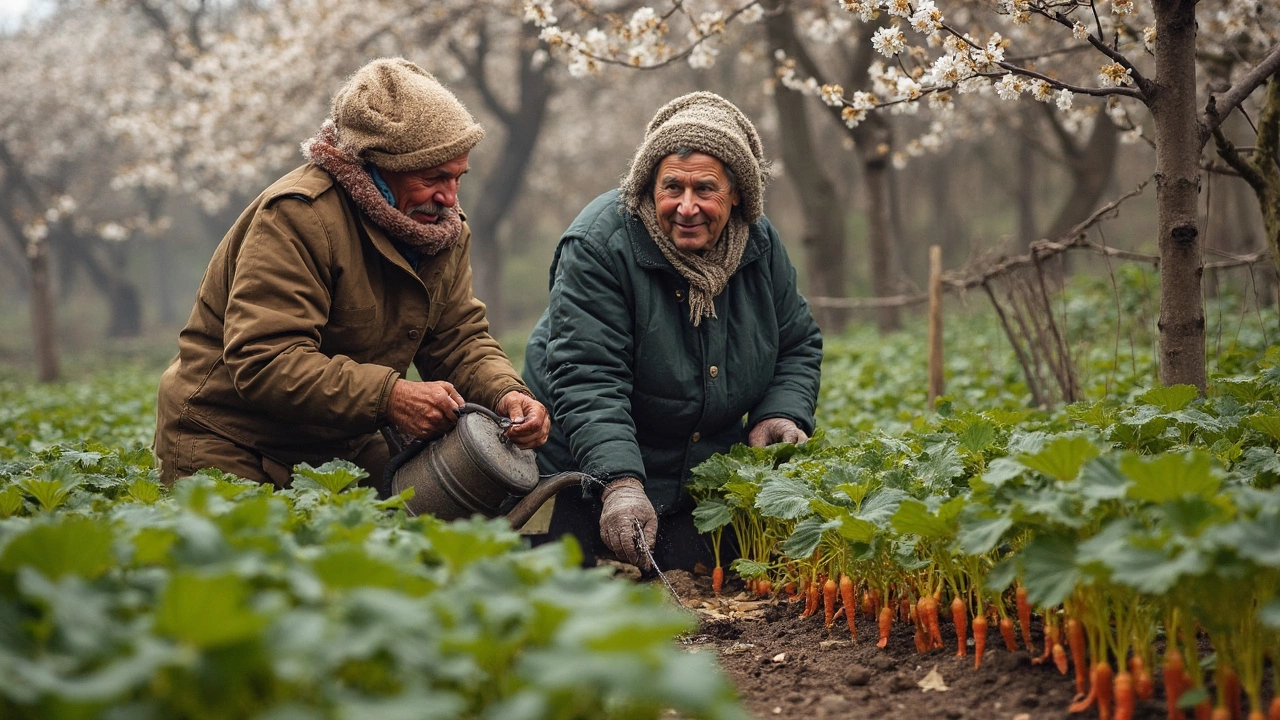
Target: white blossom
889,41
1010,86
927,18
539,12
1063,99
833,95
1114,75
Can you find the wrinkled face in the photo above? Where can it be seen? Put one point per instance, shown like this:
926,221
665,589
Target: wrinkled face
694,199
430,194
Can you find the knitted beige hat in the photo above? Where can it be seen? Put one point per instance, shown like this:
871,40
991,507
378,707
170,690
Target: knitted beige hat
399,117
708,123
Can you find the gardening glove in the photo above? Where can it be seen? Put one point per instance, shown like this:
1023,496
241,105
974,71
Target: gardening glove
775,430
624,504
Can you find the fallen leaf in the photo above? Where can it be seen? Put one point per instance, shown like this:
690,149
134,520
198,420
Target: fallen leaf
828,644
933,681
736,648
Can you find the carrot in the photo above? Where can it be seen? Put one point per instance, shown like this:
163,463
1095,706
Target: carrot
1256,714
875,602
1173,687
811,599
922,638
960,615
1105,691
904,609
868,607
1082,704
1125,701
829,600
1143,684
927,609
886,624
764,587
1231,692
1075,638
847,596
1051,634
1273,713
1024,617
791,591
1221,713
979,638
1006,630
1060,659
717,579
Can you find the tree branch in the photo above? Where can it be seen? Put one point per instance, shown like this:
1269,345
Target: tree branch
1220,106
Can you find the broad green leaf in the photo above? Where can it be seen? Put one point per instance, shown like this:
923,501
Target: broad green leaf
980,532
855,492
1099,415
1170,399
207,611
856,529
144,491
76,546
785,498
978,436
1001,576
1170,476
463,542
151,546
806,537
334,476
913,518
347,568
880,505
48,493
749,568
1049,569
711,514
10,501
940,463
1269,614
1061,459
1002,470
1268,425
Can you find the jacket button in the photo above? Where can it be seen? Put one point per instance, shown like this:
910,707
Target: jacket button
697,436
414,334
679,296
714,371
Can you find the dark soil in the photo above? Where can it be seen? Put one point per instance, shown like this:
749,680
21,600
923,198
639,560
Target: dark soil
790,667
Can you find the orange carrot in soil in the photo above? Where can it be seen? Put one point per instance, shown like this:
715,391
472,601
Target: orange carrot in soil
1273,713
1084,703
1256,714
811,599
1006,631
717,580
875,602
1143,684
904,609
1060,659
1173,687
1105,691
1075,637
1024,617
791,590
1204,710
927,609
764,587
829,600
1231,691
1221,713
960,615
979,638
922,638
848,596
1051,635
868,608
886,624
1124,691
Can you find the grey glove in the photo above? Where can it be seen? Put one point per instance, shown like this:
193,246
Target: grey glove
625,504
775,430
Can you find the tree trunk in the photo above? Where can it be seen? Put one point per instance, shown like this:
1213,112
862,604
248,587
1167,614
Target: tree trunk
123,307
1173,108
1026,192
1091,171
42,317
498,191
823,236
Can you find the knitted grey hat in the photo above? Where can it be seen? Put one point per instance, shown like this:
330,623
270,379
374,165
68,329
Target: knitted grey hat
708,123
399,117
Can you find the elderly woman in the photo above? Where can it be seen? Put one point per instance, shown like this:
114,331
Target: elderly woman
674,315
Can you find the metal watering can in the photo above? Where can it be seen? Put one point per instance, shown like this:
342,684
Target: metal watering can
472,469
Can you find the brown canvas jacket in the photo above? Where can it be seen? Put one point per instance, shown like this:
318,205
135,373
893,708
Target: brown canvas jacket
306,317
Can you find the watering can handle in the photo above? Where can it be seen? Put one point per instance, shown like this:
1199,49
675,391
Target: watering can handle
546,489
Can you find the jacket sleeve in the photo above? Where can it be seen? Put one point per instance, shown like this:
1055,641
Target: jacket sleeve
589,355
460,348
277,305
793,391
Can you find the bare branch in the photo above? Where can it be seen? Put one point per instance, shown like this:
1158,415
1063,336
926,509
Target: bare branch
1221,105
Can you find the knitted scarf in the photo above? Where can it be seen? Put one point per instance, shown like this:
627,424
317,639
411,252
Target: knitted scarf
707,272
325,151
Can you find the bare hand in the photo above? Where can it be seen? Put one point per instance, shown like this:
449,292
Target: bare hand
775,430
424,409
530,422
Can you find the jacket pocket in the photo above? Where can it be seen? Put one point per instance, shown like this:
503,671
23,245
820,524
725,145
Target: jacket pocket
350,331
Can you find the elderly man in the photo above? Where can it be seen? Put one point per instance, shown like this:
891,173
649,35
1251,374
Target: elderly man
331,282
674,314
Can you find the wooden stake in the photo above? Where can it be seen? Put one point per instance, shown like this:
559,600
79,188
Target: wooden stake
936,384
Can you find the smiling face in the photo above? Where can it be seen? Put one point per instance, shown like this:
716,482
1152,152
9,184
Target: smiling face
694,199
429,194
